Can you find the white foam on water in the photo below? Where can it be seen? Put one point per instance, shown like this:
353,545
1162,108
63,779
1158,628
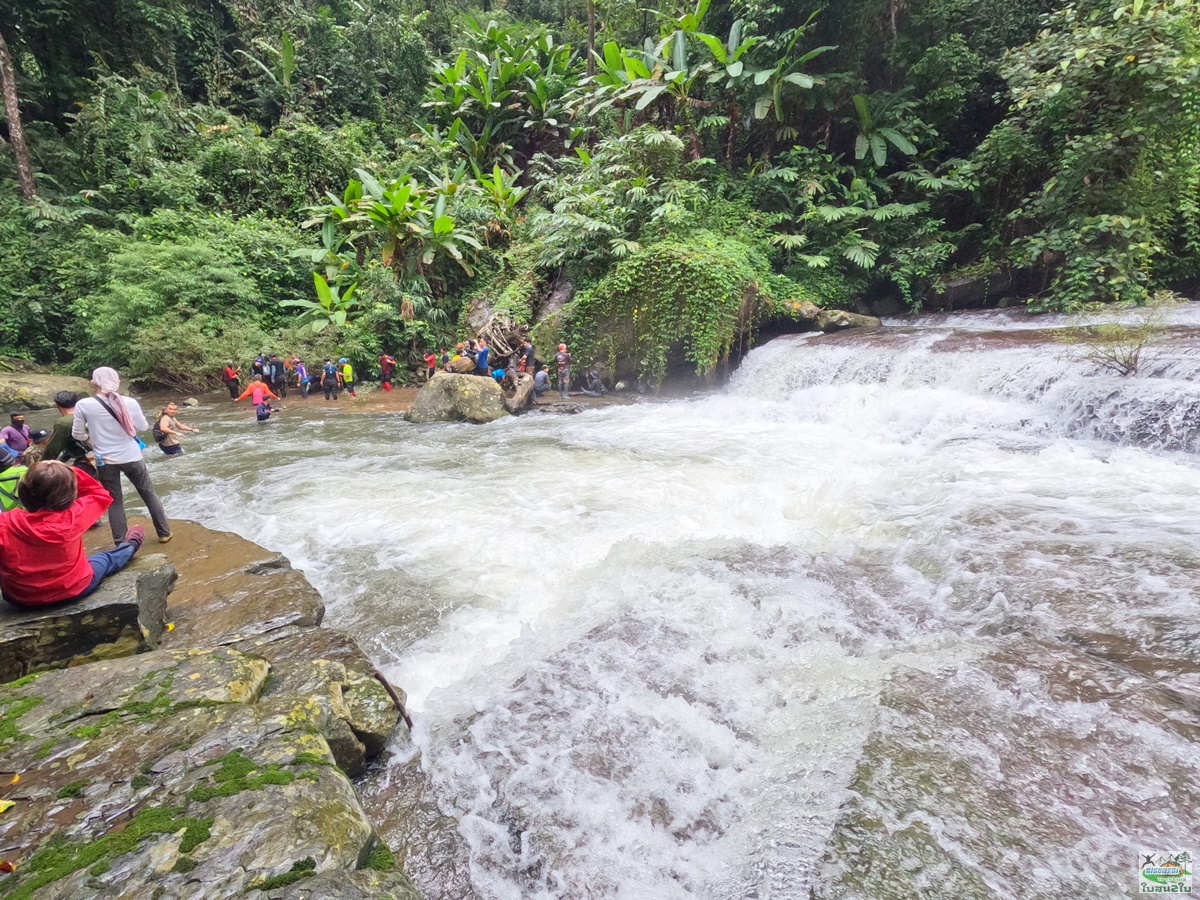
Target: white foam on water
645,645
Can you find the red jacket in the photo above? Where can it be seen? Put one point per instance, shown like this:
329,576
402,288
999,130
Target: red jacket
41,553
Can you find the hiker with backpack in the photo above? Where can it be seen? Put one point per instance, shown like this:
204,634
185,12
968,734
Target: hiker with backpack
168,430
11,474
329,379
111,422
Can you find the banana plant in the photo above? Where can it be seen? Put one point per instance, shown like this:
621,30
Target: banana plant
414,231
281,72
332,306
785,72
877,130
341,266
728,53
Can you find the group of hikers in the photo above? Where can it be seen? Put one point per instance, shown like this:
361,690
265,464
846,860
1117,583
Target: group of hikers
50,497
271,375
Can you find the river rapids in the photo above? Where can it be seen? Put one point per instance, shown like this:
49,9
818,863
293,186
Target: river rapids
899,614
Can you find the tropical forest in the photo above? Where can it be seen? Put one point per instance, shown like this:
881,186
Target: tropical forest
185,182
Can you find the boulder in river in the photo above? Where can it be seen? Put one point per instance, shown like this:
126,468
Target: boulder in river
458,398
839,320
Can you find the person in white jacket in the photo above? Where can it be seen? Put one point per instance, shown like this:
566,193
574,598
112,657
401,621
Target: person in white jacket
110,423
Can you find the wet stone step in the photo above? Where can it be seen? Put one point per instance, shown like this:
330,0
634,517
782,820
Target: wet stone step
127,615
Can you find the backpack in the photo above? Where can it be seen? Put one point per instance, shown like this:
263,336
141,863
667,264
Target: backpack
8,498
159,434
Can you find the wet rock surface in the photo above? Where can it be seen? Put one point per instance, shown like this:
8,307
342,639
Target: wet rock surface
839,320
128,614
22,389
458,398
216,765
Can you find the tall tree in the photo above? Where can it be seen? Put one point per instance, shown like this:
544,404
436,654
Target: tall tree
16,134
591,47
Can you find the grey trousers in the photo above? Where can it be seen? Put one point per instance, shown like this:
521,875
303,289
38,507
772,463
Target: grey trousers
110,477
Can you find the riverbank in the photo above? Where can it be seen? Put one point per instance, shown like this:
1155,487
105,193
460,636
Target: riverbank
220,761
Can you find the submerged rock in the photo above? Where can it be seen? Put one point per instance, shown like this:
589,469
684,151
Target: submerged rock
458,398
126,615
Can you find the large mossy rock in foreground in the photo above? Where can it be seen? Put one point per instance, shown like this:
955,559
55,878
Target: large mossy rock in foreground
126,615
36,390
193,774
458,398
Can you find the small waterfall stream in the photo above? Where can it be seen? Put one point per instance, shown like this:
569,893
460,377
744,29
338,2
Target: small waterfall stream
895,614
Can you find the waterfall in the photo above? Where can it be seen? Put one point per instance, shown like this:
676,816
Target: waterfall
898,613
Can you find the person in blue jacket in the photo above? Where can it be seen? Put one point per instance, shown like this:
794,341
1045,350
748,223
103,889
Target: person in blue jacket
481,359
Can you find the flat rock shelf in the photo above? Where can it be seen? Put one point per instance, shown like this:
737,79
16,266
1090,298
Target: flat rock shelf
203,758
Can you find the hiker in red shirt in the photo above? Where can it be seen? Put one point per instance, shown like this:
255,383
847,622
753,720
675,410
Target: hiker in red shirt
41,546
387,365
231,379
430,364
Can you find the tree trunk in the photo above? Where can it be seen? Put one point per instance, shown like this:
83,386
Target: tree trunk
16,133
591,48
521,396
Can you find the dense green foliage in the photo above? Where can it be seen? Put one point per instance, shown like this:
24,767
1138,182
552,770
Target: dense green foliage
215,178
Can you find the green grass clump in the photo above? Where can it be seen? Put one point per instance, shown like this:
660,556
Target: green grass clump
74,789
382,859
301,869
10,731
23,680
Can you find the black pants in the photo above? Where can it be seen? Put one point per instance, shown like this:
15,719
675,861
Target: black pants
110,476
232,384
280,387
330,387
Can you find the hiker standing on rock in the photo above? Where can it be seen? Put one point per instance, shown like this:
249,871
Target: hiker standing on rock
111,423
562,359
527,356
62,446
481,358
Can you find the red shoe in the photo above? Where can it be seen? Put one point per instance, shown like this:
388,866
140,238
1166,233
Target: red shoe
135,535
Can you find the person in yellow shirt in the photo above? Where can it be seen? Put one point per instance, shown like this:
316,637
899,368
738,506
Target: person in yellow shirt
345,374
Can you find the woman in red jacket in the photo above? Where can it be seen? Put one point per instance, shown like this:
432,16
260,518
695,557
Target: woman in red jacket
41,546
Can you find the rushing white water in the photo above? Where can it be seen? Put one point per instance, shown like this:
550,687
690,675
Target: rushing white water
891,616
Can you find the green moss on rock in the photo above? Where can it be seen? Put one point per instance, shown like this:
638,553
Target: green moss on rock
301,869
59,857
